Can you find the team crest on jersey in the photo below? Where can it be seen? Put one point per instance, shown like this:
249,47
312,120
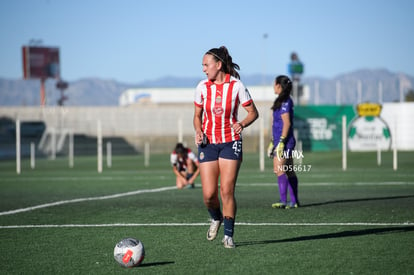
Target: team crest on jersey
218,111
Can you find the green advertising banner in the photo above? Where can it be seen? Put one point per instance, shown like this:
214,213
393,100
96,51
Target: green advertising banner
320,127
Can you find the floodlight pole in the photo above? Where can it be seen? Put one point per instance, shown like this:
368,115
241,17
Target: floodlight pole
42,92
18,147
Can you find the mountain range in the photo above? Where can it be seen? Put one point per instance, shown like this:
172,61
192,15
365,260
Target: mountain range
342,89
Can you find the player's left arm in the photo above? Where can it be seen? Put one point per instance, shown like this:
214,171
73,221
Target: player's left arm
286,124
252,115
248,104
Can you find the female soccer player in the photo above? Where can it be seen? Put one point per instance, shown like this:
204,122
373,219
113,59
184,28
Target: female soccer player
218,136
282,150
185,166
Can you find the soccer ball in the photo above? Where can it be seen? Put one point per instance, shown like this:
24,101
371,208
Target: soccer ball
129,252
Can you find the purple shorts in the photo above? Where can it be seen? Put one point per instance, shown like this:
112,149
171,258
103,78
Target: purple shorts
229,150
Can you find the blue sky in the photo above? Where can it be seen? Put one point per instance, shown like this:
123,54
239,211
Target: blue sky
135,40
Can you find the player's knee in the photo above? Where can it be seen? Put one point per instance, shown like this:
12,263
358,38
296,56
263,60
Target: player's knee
227,194
210,202
278,172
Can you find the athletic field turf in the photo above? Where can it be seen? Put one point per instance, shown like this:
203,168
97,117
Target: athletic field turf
60,220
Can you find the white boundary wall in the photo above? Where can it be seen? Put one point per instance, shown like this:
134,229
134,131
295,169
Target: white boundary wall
183,95
400,120
164,120
135,120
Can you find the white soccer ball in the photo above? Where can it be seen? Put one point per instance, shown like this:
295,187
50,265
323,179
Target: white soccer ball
129,252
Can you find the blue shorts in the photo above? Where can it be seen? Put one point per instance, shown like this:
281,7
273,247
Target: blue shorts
229,150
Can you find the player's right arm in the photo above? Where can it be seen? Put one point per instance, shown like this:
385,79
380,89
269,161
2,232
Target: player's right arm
198,112
198,121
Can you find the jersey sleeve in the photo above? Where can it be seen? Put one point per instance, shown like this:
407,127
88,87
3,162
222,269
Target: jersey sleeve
192,156
286,107
244,95
173,159
198,94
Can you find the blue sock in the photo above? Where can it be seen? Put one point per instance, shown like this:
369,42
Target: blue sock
215,214
228,226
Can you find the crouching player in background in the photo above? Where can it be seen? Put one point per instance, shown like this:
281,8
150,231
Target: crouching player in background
185,166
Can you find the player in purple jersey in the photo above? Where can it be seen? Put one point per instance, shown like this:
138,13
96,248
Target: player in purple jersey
283,143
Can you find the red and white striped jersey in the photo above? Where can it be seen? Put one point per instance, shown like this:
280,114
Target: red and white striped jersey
220,103
180,162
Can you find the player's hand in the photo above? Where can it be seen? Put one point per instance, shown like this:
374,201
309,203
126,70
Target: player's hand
270,149
237,127
280,148
198,139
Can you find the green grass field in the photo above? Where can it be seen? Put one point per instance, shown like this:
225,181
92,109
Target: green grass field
57,220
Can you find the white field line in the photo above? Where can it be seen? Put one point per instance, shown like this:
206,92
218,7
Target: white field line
199,224
86,199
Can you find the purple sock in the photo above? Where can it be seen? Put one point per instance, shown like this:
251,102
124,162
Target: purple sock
283,184
293,189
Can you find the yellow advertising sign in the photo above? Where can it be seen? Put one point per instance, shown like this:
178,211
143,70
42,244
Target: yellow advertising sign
369,109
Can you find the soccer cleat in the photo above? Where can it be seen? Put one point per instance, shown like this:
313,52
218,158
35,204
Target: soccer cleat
292,205
228,242
212,231
280,205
